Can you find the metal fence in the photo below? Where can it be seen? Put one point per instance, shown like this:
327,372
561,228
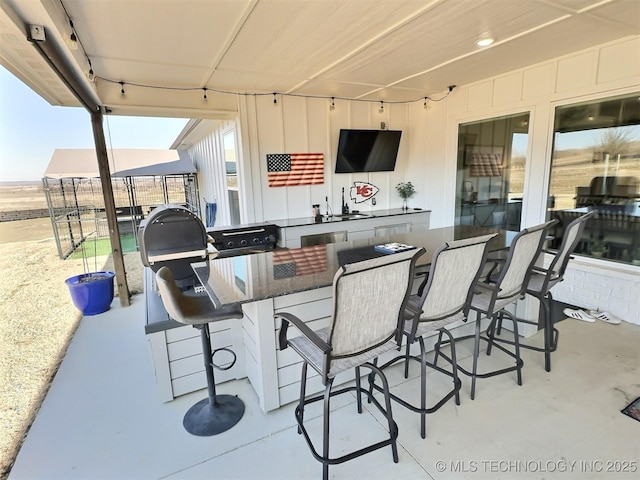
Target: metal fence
77,211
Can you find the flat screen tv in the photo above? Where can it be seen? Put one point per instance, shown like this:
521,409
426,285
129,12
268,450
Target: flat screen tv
367,150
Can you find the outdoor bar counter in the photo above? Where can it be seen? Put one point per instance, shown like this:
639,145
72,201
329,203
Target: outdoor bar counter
298,280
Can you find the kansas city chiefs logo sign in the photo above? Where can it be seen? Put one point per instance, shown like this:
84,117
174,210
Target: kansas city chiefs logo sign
362,191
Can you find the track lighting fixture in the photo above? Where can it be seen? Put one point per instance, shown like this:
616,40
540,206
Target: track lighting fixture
333,104
484,41
204,93
121,88
381,110
275,99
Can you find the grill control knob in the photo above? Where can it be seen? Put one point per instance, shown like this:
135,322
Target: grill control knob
256,241
230,244
243,242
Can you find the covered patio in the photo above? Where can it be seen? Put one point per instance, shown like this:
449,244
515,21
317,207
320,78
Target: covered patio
102,418
367,64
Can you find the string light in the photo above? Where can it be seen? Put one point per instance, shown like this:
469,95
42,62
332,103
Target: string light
92,77
73,41
275,94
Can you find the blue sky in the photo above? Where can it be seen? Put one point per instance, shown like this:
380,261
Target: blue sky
31,129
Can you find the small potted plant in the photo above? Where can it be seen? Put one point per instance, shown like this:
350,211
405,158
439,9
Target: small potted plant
405,190
598,249
91,292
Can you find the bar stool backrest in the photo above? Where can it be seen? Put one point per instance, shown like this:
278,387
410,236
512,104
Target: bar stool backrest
368,300
455,268
570,239
523,253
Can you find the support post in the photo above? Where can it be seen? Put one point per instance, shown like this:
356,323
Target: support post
110,208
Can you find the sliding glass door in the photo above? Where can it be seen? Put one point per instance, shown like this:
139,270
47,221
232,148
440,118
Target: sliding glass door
491,169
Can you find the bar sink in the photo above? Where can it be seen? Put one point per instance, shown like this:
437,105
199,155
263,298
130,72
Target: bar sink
351,216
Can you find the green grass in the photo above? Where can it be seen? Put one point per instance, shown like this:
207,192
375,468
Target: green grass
102,246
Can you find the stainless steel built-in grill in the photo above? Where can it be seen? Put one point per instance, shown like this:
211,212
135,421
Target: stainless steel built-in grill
245,239
173,236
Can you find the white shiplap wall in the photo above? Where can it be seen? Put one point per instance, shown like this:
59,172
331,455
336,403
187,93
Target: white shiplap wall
207,153
428,149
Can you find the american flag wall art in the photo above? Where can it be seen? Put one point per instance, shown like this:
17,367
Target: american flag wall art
294,262
293,169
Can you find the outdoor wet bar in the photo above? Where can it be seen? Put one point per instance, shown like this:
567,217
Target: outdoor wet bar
298,280
237,256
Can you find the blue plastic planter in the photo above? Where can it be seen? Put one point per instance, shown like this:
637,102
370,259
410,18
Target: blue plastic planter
92,293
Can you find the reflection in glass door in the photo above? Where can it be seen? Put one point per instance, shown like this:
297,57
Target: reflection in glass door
230,159
491,169
596,166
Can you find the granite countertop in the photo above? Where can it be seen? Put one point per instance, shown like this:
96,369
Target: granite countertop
354,215
236,280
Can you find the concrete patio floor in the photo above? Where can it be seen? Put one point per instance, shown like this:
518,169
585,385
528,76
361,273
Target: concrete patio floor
102,419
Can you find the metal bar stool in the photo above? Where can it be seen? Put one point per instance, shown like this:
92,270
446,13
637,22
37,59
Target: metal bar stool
542,280
491,299
446,298
217,413
369,298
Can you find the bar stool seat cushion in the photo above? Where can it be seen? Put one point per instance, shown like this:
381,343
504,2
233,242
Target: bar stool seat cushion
200,310
315,355
190,309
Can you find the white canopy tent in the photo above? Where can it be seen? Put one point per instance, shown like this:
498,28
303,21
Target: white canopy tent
123,162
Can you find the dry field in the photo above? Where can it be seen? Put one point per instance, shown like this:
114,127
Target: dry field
37,317
22,196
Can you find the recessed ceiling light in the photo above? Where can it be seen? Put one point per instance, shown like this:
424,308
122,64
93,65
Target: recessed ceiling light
484,42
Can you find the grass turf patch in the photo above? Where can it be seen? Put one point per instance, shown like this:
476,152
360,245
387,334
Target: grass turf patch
96,247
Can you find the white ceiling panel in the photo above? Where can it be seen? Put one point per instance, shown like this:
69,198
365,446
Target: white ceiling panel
419,45
149,73
617,14
527,50
392,50
156,31
304,37
573,6
173,35
244,82
331,88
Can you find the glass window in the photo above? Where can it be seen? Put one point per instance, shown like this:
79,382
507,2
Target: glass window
229,145
596,166
491,166
231,169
